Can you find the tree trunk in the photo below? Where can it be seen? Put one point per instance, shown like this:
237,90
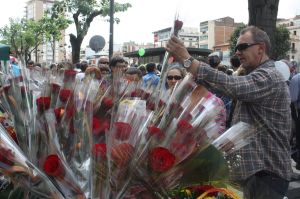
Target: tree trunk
263,14
75,43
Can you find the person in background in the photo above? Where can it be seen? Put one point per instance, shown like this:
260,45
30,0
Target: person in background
214,61
143,69
295,98
175,74
15,68
263,101
117,66
103,60
235,62
30,64
81,74
151,78
133,74
293,69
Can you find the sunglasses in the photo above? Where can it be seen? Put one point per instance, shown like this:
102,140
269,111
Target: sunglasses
176,77
243,46
104,63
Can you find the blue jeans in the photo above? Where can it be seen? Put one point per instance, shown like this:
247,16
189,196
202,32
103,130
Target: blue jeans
265,185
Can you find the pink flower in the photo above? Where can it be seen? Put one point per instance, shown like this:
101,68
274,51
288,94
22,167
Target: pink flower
122,130
161,159
53,166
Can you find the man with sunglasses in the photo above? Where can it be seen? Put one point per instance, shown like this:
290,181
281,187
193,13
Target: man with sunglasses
262,101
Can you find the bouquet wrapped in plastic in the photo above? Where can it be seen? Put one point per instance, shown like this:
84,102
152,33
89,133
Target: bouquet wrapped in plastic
111,138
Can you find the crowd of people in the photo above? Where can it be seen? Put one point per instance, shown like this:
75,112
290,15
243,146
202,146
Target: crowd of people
250,90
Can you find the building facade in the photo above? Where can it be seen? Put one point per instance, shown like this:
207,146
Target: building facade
293,25
189,35
215,35
35,10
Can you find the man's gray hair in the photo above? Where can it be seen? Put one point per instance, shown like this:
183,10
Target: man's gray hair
258,36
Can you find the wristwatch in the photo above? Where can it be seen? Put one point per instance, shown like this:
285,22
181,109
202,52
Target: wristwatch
188,62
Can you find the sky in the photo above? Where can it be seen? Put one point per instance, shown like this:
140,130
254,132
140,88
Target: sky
147,16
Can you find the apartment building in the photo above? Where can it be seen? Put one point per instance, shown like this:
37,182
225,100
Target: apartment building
189,35
44,54
215,34
293,25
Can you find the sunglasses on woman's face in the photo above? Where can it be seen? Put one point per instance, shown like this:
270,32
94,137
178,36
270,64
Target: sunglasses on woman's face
176,77
243,46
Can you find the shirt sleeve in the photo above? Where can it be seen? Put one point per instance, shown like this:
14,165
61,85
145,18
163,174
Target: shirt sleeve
257,85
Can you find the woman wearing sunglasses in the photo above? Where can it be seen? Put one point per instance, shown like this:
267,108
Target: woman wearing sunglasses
174,74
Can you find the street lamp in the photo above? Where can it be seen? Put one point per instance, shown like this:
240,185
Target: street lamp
111,28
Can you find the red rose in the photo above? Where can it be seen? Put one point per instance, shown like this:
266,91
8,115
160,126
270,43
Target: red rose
70,110
121,154
55,87
6,156
53,166
70,73
122,130
59,112
150,106
6,88
65,94
107,102
184,126
100,125
43,103
11,131
161,159
23,89
146,95
99,150
155,131
178,24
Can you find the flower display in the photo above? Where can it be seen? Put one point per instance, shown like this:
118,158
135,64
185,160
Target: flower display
113,138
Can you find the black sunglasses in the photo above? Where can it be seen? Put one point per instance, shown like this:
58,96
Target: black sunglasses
176,77
104,63
243,46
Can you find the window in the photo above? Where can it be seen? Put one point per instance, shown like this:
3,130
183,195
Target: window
293,46
204,46
295,32
203,37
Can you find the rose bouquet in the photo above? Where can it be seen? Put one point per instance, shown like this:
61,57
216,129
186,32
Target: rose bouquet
110,138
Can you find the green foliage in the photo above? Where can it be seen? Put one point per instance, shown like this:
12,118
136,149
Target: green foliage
24,36
82,13
282,43
234,37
